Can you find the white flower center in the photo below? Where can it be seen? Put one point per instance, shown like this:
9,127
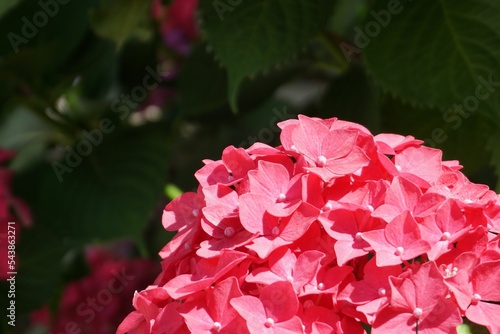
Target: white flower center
417,312
217,326
445,236
321,161
399,251
269,322
450,273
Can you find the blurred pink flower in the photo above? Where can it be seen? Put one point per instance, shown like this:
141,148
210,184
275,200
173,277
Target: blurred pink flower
99,301
177,23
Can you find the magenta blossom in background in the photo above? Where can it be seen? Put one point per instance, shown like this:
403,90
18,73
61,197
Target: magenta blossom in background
333,229
177,23
96,303
12,209
8,201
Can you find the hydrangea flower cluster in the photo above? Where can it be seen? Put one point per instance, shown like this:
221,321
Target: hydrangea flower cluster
334,228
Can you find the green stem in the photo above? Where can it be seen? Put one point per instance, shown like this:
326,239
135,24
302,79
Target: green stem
334,51
328,67
64,126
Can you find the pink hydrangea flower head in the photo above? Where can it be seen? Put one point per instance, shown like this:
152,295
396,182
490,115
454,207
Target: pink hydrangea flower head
332,229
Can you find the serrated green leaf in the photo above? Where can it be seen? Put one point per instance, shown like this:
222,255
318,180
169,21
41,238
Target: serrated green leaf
434,52
256,35
118,19
112,193
201,98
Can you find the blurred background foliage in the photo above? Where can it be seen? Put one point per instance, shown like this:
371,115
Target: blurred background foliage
224,73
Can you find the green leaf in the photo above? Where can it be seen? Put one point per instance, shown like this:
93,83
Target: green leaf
464,139
353,97
434,52
29,25
172,191
39,250
5,5
471,328
346,14
97,68
495,157
27,134
118,19
39,273
197,95
32,54
112,193
201,98
257,35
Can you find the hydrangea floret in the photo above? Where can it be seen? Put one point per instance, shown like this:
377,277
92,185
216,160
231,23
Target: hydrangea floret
333,229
